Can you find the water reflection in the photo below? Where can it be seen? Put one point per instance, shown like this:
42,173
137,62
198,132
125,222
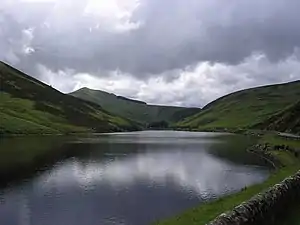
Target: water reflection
188,169
127,179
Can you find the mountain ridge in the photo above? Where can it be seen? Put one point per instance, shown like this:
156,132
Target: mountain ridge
248,89
244,109
134,109
30,106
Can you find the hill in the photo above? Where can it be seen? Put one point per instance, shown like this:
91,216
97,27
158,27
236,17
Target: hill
245,109
30,106
286,121
134,109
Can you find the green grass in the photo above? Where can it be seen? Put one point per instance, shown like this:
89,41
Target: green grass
29,106
273,139
205,213
287,120
19,116
14,125
132,109
245,109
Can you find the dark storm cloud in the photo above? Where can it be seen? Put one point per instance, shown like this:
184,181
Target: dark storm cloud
172,35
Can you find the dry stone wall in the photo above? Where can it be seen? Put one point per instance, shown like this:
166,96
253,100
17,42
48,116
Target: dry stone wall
263,205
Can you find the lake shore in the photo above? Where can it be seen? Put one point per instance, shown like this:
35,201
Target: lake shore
137,167
286,164
289,165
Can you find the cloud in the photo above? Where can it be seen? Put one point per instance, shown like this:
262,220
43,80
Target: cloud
16,45
66,28
193,86
149,37
116,13
162,51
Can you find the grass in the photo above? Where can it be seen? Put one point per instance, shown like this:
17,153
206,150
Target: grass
287,120
205,213
245,109
14,125
132,109
278,140
19,116
29,106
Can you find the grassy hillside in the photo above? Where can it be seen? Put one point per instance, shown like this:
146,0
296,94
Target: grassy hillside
133,109
30,106
245,109
286,121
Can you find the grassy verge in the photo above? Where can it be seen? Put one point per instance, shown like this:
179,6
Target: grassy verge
205,213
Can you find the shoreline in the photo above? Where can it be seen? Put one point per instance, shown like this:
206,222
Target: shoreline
207,212
265,147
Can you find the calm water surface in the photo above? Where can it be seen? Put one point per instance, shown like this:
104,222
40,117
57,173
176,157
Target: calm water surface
125,178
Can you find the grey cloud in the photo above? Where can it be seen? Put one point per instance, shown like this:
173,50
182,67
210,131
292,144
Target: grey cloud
173,34
10,34
195,86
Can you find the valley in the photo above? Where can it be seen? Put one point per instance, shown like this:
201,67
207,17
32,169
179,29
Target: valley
99,141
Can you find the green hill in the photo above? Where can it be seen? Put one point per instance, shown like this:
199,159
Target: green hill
133,109
245,109
30,106
286,121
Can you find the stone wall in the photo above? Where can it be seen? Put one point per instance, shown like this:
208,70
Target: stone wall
264,151
264,205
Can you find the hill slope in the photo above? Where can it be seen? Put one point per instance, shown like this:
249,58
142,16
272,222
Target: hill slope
133,109
286,121
245,109
30,106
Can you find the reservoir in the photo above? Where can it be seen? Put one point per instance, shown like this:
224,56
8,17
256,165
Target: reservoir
132,178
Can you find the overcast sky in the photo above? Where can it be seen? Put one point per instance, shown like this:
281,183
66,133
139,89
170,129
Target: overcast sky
178,52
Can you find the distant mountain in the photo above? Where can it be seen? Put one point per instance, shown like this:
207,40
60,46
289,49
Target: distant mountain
134,109
247,108
30,106
287,120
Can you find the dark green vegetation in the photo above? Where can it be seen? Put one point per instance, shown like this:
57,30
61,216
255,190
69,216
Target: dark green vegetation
251,108
158,125
292,217
204,214
133,109
28,106
287,120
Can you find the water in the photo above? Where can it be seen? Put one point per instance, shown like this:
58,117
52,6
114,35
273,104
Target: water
126,178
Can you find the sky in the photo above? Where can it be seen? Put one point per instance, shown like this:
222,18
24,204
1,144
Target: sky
170,52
